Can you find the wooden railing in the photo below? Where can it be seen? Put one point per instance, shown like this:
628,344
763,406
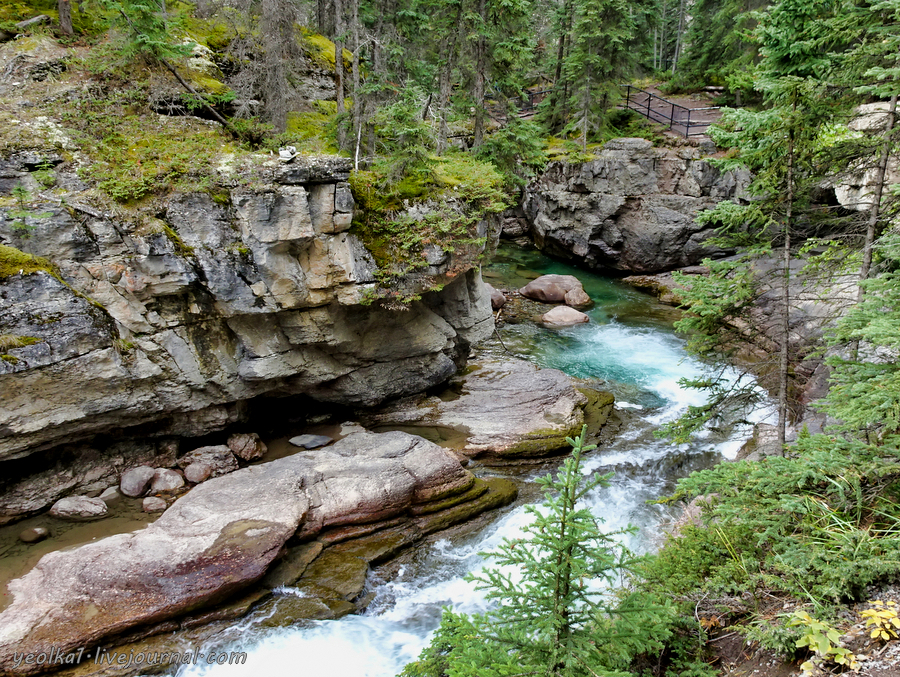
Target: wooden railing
685,121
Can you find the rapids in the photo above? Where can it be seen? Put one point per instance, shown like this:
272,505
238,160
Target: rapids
628,348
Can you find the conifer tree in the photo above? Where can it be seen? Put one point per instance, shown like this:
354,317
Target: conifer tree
555,615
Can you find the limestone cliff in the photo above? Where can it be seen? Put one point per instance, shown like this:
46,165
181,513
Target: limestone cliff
632,209
167,322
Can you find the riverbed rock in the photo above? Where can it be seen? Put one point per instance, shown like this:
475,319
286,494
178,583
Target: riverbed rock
136,481
498,298
218,457
247,446
111,496
564,316
632,209
34,534
500,408
310,441
79,509
166,479
197,472
153,504
552,288
218,538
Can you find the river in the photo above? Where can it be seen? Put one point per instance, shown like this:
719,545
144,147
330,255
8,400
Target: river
628,348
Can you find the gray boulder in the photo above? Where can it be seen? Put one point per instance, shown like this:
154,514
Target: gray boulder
165,479
247,446
197,472
219,458
79,509
501,408
310,441
153,504
136,481
498,299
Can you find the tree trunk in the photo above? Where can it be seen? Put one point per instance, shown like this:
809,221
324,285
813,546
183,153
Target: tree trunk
784,356
445,79
357,97
339,70
480,77
679,38
65,16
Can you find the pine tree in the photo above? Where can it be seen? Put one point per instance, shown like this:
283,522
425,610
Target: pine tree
556,615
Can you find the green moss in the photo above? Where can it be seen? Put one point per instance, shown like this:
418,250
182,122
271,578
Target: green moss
14,262
321,49
12,359
310,131
208,84
11,341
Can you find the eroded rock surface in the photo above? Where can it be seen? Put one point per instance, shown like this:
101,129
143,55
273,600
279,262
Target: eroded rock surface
631,209
218,538
508,408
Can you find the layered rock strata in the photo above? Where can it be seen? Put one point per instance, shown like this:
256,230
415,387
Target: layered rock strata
167,324
633,208
224,535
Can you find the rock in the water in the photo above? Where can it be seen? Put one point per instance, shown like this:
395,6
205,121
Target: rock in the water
34,535
578,298
247,446
219,537
136,481
165,479
310,441
507,407
563,316
197,472
153,504
79,508
498,299
219,458
110,496
554,289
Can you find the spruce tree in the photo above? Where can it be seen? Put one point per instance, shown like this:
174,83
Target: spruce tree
555,613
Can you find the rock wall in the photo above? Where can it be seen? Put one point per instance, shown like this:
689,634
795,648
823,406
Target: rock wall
632,209
167,321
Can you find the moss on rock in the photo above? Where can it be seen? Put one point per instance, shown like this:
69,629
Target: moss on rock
16,262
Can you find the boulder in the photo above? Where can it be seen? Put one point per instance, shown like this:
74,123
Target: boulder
197,472
79,509
136,481
564,316
552,288
247,446
165,479
218,457
153,504
34,534
218,538
110,496
578,298
498,299
501,408
311,441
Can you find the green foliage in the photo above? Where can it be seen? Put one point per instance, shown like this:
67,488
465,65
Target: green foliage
11,342
516,150
555,615
820,526
134,154
822,640
146,29
865,390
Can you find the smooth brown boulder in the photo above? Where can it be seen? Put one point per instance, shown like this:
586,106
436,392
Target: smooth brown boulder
136,481
552,288
564,316
498,299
